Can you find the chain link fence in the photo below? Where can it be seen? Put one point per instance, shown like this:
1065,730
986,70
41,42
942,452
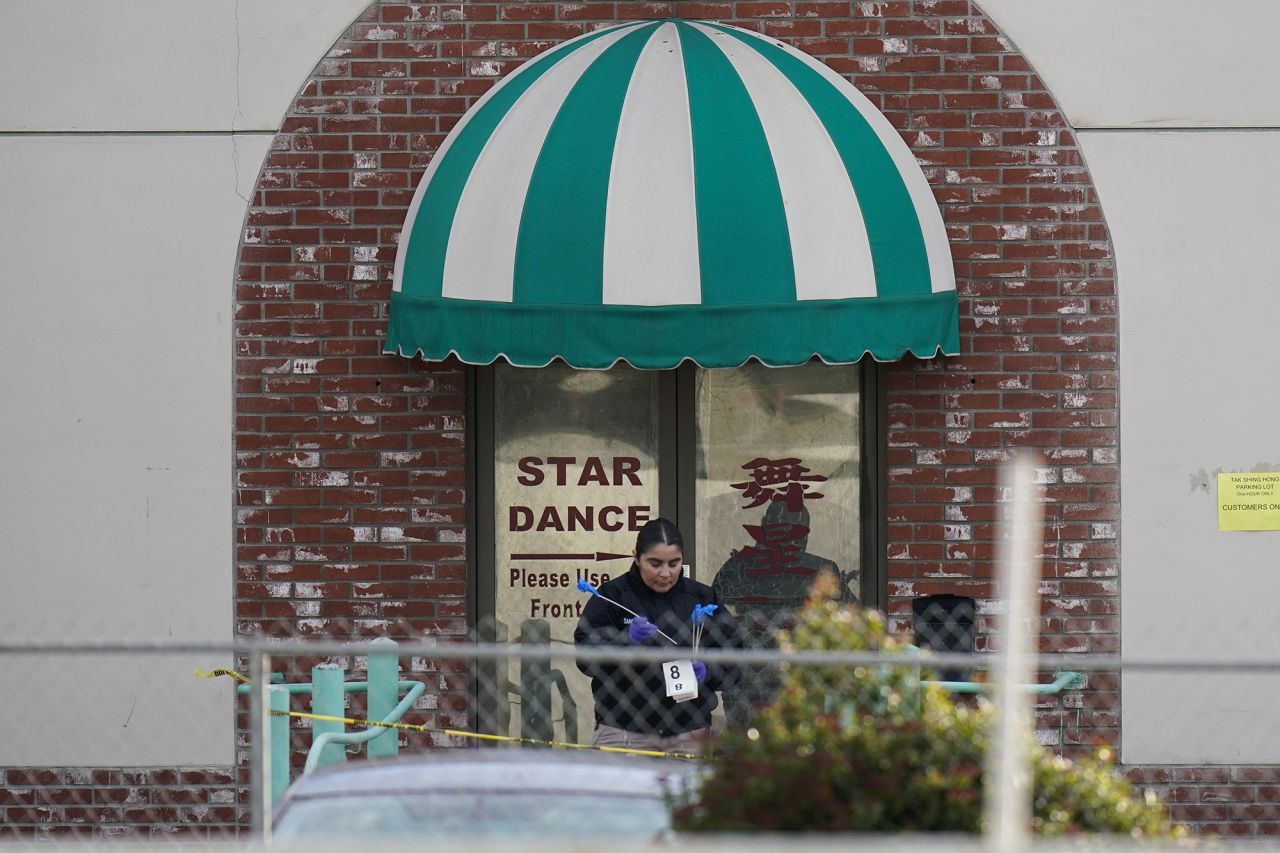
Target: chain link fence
679,725
551,740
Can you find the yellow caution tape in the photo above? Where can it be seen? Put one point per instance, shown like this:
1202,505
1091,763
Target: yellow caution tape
351,721
409,727
214,673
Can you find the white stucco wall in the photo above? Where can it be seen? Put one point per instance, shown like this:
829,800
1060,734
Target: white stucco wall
160,65
124,193
1149,63
116,336
1193,216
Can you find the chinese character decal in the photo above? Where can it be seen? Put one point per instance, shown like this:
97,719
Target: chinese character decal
768,579
778,480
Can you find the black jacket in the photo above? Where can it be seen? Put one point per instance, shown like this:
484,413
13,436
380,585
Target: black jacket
634,696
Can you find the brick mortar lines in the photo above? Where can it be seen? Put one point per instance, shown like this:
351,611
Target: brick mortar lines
120,803
1234,801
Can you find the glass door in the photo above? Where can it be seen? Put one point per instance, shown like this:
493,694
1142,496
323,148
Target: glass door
575,475
765,470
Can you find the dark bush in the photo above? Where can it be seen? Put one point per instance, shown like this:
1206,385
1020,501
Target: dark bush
873,749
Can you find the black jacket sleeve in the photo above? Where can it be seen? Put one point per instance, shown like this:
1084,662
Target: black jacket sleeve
599,626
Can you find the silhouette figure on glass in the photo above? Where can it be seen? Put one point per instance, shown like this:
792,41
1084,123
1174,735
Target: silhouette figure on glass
764,584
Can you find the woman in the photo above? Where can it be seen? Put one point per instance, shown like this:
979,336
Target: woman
631,703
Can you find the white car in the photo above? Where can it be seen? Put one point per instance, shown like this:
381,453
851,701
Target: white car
486,794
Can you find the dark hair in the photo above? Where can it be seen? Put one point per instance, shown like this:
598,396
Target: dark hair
660,531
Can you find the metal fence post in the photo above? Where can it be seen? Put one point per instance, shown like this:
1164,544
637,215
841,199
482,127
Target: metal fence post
259,760
1008,772
279,740
327,699
384,692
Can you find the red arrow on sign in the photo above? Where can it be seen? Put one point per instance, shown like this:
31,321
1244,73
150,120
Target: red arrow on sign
599,556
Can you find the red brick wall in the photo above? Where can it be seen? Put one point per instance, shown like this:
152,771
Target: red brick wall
118,803
1241,801
351,464
1038,367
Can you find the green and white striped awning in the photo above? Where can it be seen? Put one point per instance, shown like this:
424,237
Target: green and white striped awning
669,190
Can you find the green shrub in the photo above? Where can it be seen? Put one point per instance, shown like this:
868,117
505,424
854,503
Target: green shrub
872,749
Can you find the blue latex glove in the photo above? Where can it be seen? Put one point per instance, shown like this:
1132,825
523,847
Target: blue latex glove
641,629
700,671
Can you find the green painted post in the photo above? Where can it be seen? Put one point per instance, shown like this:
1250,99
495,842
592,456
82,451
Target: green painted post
327,699
384,692
278,698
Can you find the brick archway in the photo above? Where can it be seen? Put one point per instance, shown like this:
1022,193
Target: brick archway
351,466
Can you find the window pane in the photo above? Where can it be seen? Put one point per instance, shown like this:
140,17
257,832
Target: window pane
778,485
575,473
777,497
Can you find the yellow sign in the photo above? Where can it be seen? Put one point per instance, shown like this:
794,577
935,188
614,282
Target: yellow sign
1249,501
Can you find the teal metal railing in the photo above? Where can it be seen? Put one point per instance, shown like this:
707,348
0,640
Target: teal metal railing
327,688
1064,680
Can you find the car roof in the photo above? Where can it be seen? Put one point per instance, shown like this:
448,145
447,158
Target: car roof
448,769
